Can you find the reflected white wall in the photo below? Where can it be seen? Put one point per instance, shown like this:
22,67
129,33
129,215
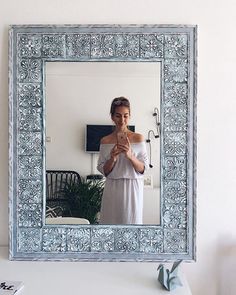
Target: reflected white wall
81,93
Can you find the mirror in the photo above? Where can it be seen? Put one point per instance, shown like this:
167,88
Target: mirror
84,97
31,50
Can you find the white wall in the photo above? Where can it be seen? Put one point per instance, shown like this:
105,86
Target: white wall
216,112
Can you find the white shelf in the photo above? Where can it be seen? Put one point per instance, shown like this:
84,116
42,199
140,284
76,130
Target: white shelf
100,278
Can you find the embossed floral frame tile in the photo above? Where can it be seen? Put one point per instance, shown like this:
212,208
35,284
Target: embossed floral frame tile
30,47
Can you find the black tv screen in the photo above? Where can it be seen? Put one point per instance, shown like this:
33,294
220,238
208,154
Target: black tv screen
94,133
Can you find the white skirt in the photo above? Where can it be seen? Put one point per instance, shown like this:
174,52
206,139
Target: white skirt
122,201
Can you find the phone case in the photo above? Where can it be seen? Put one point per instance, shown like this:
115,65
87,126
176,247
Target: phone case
121,138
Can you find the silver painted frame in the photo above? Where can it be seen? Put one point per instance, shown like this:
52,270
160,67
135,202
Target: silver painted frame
30,46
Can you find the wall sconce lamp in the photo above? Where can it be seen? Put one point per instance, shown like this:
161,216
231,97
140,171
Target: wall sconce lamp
156,114
152,134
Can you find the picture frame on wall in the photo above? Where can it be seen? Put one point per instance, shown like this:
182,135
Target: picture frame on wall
148,181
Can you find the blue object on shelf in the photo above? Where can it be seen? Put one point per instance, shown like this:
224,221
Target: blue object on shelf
169,278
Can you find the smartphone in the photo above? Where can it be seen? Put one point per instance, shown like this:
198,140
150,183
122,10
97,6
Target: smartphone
122,138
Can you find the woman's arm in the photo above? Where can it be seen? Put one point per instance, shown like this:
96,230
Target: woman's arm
137,164
109,165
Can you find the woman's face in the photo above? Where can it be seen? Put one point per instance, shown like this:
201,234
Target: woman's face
121,117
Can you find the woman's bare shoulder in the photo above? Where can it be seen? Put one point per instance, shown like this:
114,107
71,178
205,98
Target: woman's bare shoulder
107,139
136,137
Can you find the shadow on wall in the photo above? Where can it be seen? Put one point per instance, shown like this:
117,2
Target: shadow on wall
151,206
227,267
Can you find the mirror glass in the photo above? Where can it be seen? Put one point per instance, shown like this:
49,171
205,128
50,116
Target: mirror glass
80,94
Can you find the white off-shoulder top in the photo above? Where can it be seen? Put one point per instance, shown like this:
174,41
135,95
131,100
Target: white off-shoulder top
123,167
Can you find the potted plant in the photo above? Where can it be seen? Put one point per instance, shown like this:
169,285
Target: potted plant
84,198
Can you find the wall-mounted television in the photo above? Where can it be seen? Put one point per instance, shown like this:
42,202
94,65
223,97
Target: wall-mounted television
94,133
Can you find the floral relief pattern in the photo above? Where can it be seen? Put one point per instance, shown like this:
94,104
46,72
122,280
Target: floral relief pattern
30,95
176,70
78,45
78,240
175,95
176,46
175,216
30,167
174,168
29,240
102,45
151,45
53,45
29,70
175,143
126,240
102,239
172,49
175,119
30,119
29,45
54,239
30,143
151,240
175,241
127,45
175,192
30,215
30,191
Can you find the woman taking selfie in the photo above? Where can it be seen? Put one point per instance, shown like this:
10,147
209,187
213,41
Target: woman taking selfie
123,160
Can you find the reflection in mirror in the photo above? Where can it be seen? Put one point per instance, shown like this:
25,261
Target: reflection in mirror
79,94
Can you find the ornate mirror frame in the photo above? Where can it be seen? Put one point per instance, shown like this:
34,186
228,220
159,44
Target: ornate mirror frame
30,47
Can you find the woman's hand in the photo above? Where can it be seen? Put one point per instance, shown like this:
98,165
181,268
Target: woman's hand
126,149
115,151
